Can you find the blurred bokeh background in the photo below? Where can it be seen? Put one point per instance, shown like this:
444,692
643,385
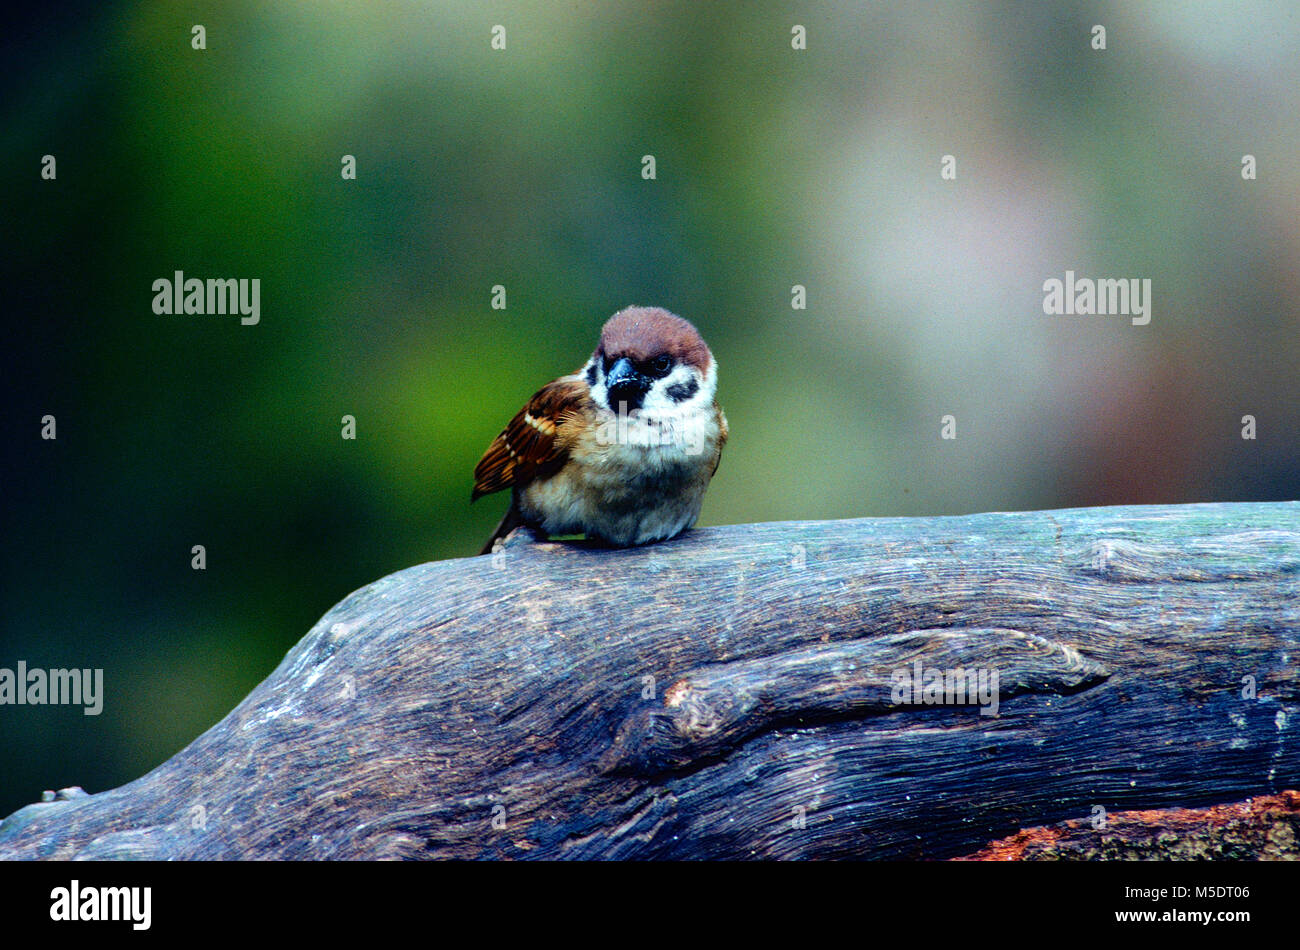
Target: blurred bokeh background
522,167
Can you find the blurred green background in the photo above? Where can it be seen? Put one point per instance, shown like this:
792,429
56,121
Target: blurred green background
522,167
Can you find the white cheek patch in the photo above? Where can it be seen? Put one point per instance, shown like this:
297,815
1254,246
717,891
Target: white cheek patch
596,380
657,401
682,390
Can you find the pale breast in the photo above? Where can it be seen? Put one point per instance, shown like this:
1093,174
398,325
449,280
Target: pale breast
628,485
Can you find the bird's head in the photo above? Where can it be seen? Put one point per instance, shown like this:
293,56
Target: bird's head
653,362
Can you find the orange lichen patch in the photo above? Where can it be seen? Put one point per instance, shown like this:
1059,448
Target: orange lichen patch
1169,832
1014,847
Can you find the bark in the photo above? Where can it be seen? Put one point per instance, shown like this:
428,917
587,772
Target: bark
737,693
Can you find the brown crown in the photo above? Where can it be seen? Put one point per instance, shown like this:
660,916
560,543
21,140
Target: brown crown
642,333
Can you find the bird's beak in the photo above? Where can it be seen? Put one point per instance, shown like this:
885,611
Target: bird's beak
625,385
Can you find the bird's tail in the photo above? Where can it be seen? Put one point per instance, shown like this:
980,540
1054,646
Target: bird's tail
509,522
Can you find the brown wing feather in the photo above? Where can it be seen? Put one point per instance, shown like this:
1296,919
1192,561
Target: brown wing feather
534,442
723,432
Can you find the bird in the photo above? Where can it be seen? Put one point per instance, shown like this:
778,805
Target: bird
623,449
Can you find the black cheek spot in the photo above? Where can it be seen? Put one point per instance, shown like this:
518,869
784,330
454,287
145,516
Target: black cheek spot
591,375
680,392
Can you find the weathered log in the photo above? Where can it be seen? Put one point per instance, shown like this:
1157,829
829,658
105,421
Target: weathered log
738,692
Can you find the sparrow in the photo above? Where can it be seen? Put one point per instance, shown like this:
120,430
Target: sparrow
621,450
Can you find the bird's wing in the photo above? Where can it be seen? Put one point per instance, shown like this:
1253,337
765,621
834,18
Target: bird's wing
534,443
722,440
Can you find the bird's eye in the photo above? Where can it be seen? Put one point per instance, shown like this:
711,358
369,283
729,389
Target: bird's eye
661,364
606,363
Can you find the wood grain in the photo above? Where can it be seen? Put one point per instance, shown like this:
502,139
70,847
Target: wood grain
731,694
